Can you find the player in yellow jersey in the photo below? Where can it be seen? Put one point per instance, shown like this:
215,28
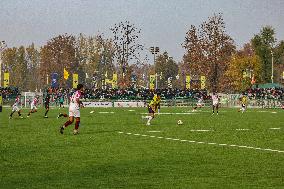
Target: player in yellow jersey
244,103
153,107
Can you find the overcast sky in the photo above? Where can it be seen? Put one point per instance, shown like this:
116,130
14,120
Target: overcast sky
163,23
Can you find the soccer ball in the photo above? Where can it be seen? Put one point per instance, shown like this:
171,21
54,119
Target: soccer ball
179,122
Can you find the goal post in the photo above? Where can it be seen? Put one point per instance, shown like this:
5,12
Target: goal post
29,96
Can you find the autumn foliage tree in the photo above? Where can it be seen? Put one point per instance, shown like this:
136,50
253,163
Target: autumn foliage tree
57,54
208,51
244,67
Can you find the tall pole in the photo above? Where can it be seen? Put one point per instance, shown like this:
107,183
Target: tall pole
2,47
272,67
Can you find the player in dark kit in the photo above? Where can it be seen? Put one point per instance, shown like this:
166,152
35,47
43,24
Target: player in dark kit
46,104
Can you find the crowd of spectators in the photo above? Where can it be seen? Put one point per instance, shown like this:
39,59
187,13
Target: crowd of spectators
9,92
269,93
143,94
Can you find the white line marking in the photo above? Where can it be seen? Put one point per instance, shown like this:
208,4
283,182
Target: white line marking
242,129
200,130
131,110
178,113
275,128
274,112
154,131
210,143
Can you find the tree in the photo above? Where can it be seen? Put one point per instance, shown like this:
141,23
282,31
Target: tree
57,54
263,44
95,54
127,46
166,68
208,51
243,67
32,58
9,56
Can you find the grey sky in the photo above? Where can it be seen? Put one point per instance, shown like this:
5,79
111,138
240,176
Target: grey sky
163,22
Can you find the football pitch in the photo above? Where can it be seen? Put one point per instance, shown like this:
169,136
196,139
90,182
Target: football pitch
115,149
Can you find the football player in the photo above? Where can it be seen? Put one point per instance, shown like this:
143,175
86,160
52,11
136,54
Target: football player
74,110
153,107
34,105
15,107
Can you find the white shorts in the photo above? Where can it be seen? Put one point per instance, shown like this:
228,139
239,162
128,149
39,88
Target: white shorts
74,112
33,107
15,109
215,103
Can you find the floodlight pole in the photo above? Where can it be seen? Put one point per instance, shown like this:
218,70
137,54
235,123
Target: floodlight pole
154,51
2,47
272,66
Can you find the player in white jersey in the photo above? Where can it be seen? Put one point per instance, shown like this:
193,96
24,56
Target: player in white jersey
199,104
15,107
34,106
74,110
215,103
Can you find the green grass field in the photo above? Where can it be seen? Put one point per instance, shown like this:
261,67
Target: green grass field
117,150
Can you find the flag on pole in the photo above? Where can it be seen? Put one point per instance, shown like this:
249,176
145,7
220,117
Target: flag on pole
152,82
6,79
75,80
54,80
114,81
187,82
65,74
202,82
253,80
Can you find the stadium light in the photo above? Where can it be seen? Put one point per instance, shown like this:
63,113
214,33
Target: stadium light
271,66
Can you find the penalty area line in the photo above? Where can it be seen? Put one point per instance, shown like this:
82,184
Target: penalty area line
201,142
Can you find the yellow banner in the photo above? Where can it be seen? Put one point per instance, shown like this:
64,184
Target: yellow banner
114,81
75,80
6,79
187,82
1,100
65,74
202,82
152,82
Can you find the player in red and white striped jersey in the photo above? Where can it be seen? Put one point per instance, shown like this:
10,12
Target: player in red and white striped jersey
74,110
34,105
15,107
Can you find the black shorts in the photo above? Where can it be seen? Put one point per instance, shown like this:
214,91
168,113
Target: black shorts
243,105
46,106
151,111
